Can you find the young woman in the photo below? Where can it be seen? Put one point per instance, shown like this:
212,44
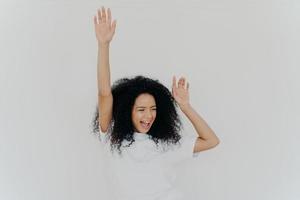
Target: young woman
138,118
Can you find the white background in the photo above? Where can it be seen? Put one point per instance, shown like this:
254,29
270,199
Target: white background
241,58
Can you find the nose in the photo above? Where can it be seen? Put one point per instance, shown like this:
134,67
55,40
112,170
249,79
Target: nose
149,114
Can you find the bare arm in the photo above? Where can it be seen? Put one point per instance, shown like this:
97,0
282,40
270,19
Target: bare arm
105,98
104,30
207,138
103,70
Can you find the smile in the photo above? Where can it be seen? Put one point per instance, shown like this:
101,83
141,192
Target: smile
145,124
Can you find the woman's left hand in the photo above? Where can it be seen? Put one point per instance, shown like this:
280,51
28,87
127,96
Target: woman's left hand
180,92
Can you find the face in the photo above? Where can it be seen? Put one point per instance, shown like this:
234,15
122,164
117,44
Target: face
143,113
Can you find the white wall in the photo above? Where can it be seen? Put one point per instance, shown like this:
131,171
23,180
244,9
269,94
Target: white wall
240,57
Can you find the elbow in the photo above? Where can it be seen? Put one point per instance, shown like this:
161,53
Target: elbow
213,142
216,142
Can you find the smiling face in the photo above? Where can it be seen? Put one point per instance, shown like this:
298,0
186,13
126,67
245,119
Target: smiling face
143,113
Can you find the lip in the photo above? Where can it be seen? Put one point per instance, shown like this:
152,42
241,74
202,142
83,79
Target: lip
147,127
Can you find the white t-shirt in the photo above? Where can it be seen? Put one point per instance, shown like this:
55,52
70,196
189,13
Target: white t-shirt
145,171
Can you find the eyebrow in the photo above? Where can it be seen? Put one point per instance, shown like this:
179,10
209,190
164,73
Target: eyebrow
144,106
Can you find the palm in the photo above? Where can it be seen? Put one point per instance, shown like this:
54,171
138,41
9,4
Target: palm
103,32
180,92
104,29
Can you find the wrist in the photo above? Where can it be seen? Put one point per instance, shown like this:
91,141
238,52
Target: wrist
103,44
184,107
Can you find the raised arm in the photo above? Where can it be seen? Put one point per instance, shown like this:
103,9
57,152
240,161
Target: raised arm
104,30
207,138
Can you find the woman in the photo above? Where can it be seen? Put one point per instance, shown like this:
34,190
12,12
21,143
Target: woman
137,116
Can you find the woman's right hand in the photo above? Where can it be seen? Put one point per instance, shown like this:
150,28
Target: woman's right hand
104,29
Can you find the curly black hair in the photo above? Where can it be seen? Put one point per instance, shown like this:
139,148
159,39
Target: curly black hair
167,124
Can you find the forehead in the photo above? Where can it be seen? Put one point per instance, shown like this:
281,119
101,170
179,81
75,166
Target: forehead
144,99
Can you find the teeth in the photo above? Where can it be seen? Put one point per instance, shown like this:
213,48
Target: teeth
145,124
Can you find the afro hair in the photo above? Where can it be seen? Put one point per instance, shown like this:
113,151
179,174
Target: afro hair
166,126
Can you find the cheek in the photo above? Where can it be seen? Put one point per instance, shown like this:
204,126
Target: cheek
136,116
154,115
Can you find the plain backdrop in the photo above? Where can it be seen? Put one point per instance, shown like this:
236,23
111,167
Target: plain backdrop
241,58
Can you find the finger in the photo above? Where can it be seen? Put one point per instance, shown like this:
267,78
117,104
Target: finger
99,16
103,14
174,85
180,80
180,83
174,91
174,81
109,16
113,26
95,20
183,82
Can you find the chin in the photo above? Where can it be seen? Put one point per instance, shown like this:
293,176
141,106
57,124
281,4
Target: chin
144,130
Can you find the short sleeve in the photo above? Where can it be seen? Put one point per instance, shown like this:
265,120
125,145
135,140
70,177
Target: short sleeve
184,150
103,136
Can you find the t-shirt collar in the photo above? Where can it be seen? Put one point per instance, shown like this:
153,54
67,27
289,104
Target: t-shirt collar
138,135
